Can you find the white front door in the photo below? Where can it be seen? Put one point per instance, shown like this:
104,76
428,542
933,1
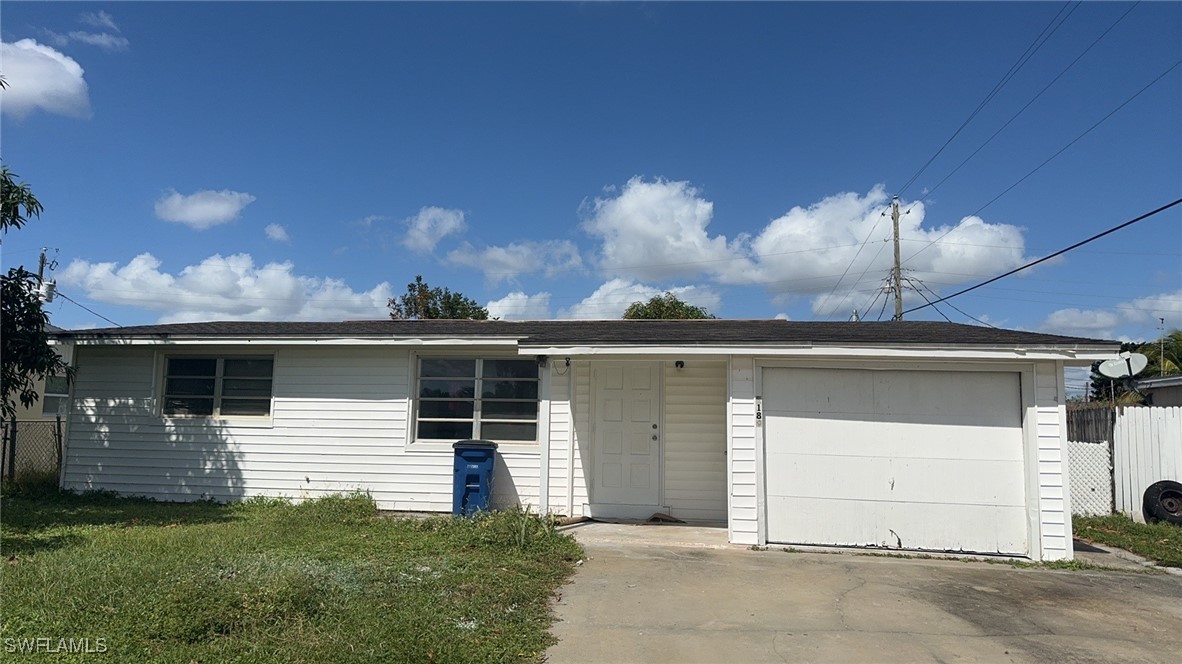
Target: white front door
627,445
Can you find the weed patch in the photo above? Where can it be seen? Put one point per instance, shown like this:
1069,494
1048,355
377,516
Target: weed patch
1160,542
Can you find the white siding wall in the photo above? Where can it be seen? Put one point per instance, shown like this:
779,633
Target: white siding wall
1053,497
744,505
561,435
339,423
695,441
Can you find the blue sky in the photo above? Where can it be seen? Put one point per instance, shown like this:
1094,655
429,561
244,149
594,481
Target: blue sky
305,161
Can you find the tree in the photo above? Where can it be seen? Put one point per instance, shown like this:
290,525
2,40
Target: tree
423,302
25,355
665,307
1164,355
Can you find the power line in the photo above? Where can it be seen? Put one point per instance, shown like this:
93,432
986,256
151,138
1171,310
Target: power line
954,307
1052,157
1047,258
1032,100
851,264
70,299
1013,70
925,299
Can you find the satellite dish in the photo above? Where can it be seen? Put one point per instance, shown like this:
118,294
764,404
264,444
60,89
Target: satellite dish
1128,364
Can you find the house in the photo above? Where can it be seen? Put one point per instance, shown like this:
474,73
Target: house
1162,390
905,435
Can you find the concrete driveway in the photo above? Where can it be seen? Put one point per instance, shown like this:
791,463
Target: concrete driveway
663,594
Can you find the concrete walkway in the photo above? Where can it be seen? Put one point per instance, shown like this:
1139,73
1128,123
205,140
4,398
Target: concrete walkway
681,594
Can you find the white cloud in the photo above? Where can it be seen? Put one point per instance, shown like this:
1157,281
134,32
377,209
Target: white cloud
612,298
657,230
277,233
103,40
203,209
507,262
429,226
782,316
1093,323
99,19
660,230
1150,308
40,77
225,288
805,251
519,306
1139,319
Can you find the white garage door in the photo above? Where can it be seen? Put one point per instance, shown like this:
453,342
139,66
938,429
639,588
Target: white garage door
927,460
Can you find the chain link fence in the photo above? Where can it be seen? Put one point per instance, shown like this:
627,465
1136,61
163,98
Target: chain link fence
30,448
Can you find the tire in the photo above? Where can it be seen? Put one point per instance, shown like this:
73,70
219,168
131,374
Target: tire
1163,501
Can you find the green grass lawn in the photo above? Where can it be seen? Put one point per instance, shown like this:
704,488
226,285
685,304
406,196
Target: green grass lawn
329,580
1161,542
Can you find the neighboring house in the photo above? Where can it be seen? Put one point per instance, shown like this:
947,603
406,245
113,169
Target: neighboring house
54,392
910,435
1162,391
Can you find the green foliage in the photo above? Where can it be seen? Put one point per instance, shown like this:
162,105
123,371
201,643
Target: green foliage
268,580
424,302
25,355
1160,542
665,307
17,202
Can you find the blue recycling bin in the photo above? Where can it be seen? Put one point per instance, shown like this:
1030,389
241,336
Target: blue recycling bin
473,476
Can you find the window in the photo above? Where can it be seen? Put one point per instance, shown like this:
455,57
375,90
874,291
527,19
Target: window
56,396
472,398
218,386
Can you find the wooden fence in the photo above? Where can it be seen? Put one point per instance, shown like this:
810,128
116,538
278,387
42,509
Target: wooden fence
1147,448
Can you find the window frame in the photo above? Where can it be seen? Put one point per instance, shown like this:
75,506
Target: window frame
477,419
218,378
63,408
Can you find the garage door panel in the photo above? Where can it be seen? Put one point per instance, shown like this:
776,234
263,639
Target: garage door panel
935,456
923,526
900,480
977,398
806,435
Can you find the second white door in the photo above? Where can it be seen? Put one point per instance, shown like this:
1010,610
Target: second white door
627,435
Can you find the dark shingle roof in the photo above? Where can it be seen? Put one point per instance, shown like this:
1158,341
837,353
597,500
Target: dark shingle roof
616,332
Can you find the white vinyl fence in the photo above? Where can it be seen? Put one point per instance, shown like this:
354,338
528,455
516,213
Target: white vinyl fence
1147,447
1091,478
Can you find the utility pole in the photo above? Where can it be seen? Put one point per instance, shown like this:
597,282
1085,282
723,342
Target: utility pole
1161,353
41,266
897,274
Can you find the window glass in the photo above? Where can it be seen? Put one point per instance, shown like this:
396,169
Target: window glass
445,430
447,368
246,406
249,368
246,387
461,398
511,369
456,389
57,385
509,431
212,386
200,387
509,389
509,410
188,406
192,366
447,409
